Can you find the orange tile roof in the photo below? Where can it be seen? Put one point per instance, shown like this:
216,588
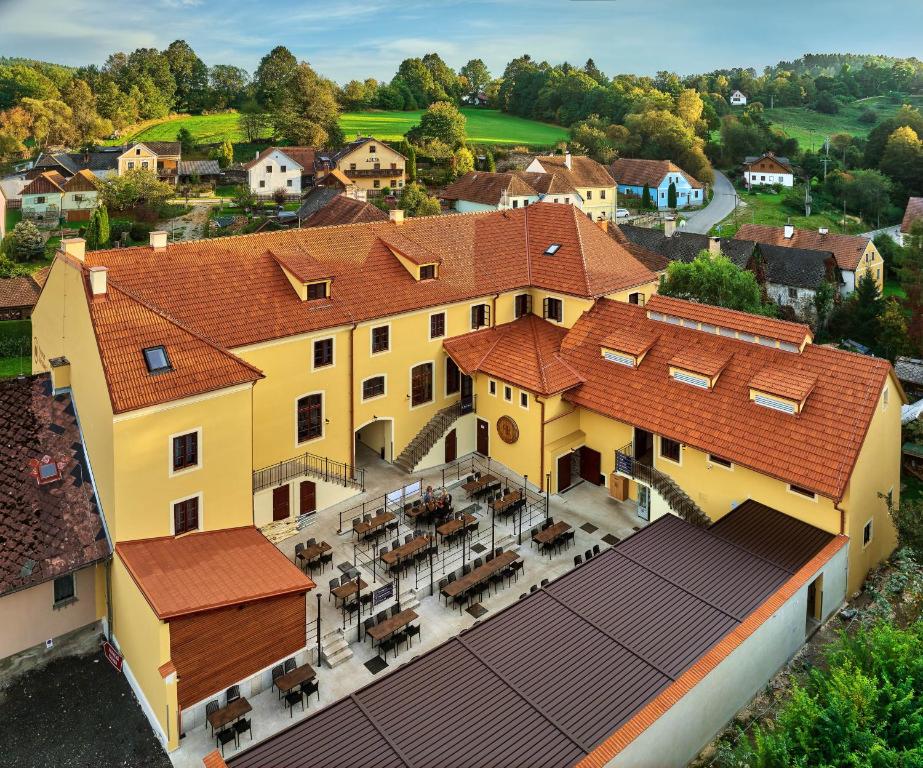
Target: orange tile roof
47,182
547,183
847,249
523,352
304,266
815,449
194,282
702,357
82,181
487,188
208,570
636,172
304,156
604,753
631,340
125,325
913,212
19,291
344,210
409,248
765,327
335,174
583,171
784,383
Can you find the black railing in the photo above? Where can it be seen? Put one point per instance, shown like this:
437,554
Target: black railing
309,465
675,497
436,428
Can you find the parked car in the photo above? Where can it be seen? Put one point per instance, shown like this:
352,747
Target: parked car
622,213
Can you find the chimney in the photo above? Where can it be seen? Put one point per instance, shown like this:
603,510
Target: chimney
714,246
74,247
256,154
788,231
158,239
823,230
98,280
603,224
396,216
669,226
567,160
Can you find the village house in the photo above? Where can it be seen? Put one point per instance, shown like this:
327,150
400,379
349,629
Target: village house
367,162
738,99
592,182
289,169
657,176
101,162
18,296
531,336
43,197
161,157
767,169
478,191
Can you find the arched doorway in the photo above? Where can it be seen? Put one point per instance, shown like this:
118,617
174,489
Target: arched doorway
375,442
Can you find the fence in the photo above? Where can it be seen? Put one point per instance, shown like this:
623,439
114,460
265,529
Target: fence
309,465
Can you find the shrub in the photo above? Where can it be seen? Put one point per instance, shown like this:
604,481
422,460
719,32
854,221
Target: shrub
139,232
868,117
27,243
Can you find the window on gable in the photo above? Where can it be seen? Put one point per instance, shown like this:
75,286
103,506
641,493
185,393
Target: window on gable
552,249
138,151
374,387
437,325
157,360
428,272
381,339
323,353
669,449
372,149
317,291
65,589
522,305
602,194
801,491
480,316
185,451
352,166
186,516
310,417
553,309
268,169
589,194
40,200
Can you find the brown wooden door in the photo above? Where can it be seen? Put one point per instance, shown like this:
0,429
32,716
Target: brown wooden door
280,503
307,493
483,437
564,472
590,462
451,447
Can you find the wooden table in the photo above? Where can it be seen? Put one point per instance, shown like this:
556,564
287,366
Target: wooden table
478,575
296,677
391,625
379,521
406,551
347,590
314,551
454,526
221,717
508,503
476,486
552,533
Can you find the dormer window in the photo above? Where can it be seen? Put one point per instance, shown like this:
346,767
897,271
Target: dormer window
428,272
690,378
552,249
157,360
782,390
317,291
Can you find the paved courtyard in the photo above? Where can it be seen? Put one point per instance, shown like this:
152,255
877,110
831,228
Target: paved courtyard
593,516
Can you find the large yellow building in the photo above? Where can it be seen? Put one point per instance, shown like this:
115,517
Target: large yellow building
204,371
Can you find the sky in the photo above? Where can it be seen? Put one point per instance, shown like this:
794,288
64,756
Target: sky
369,38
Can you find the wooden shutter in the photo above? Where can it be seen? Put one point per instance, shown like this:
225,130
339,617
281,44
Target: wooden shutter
545,302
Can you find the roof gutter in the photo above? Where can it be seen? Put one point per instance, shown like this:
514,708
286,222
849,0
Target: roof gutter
352,407
541,447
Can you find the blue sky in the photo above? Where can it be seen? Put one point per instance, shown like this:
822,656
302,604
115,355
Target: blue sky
357,39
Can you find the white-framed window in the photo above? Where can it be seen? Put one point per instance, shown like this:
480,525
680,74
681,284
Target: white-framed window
323,353
374,387
492,387
309,417
436,325
867,532
671,450
553,309
380,339
523,399
288,182
184,452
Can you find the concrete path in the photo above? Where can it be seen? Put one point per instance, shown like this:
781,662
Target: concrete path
189,226
720,207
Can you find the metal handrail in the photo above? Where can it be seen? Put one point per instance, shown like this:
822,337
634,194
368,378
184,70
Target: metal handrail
309,464
437,426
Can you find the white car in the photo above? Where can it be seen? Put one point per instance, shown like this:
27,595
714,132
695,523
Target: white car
622,213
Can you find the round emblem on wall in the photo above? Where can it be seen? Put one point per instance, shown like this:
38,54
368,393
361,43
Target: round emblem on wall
507,429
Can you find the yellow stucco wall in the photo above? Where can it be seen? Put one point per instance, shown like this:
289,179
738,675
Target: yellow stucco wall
365,160
872,261
524,456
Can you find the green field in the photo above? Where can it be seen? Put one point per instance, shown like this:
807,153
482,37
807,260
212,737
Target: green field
809,126
485,126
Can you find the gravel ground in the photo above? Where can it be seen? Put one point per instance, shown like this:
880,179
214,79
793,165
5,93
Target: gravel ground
76,712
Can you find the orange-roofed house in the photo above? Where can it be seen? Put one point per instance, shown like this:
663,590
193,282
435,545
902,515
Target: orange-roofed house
592,182
367,162
43,197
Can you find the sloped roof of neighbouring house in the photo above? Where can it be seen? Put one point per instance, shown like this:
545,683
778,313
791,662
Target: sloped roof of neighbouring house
798,267
160,148
636,172
752,159
913,212
583,171
909,369
199,168
20,291
547,183
649,257
82,181
551,678
49,182
344,210
303,151
848,249
56,527
487,188
685,246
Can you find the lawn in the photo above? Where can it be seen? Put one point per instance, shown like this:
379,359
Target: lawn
485,126
809,126
13,217
893,288
768,208
15,335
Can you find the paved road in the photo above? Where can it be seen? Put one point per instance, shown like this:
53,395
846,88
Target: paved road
721,205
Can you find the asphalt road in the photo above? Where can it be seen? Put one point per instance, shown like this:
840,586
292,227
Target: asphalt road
720,207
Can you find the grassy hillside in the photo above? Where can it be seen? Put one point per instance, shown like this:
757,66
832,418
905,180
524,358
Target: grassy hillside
485,126
806,125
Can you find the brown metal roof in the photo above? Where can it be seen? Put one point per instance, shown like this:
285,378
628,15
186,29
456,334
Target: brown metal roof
545,681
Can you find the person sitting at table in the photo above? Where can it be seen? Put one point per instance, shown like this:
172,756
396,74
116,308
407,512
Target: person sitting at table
428,496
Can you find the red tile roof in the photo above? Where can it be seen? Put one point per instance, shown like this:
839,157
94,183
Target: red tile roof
847,249
304,156
212,569
702,357
49,182
744,322
344,210
784,383
194,282
637,173
547,183
487,188
523,352
632,341
913,212
125,325
815,449
18,291
583,171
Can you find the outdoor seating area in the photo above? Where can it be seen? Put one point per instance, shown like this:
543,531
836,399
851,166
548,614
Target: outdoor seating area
313,555
552,536
478,578
389,630
229,723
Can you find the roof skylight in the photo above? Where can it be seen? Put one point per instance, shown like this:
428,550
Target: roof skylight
156,359
552,249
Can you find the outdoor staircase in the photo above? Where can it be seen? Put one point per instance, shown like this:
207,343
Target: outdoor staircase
427,437
335,648
409,599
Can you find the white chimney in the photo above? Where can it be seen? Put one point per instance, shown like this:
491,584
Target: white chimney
256,154
567,160
98,280
158,239
396,216
75,247
788,231
823,230
669,226
714,246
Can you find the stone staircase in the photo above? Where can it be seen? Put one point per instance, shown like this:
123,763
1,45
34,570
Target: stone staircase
427,437
409,600
335,648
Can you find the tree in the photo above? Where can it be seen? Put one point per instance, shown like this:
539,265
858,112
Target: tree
716,280
279,195
689,106
273,75
115,105
190,75
243,197
892,338
441,122
186,140
52,122
227,84
253,122
489,162
226,153
865,309
462,162
88,126
671,195
28,244
658,133
903,159
135,188
646,196
428,207
476,75
307,112
91,233
412,195
823,302
102,215
410,167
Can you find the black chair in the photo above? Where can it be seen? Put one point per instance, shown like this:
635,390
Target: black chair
325,560
233,693
412,631
381,616
299,548
277,672
311,542
309,688
497,578
588,554
466,569
213,706
367,625
524,594
366,598
399,637
243,726
544,582
518,567
461,599
334,583
596,549
470,479
291,699
578,560
366,518
384,647
408,538
533,588
392,526
225,737
478,562
569,537
289,665
356,520
395,609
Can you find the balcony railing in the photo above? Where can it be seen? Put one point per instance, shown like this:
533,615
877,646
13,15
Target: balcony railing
371,173
309,465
